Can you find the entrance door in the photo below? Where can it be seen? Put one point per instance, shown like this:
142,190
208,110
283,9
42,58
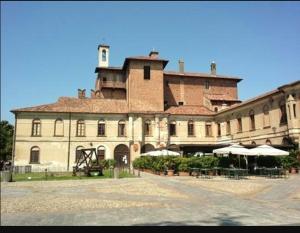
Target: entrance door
122,155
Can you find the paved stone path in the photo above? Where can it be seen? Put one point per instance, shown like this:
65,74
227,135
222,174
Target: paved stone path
151,200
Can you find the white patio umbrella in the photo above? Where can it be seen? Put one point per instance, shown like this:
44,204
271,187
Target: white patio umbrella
234,149
268,150
161,153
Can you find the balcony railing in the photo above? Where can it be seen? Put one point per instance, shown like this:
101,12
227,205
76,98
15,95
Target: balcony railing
113,84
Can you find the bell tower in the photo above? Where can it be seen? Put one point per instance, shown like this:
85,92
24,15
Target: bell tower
103,55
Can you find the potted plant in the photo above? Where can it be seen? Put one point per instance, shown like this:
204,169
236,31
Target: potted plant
183,167
170,165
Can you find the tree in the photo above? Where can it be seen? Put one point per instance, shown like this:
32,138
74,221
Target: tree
6,140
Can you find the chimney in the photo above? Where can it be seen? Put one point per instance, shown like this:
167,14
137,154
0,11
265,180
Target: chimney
213,68
81,93
153,54
181,66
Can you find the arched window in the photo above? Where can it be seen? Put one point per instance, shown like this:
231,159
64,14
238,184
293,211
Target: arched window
148,128
78,153
36,127
268,142
253,143
172,128
80,128
59,127
35,155
121,128
191,128
101,128
266,119
283,117
216,109
101,152
103,55
252,120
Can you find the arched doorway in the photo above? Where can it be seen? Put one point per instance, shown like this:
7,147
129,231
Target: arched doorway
122,155
147,147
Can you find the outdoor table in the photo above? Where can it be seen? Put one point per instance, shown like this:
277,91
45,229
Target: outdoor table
217,170
194,170
236,173
205,172
274,172
260,171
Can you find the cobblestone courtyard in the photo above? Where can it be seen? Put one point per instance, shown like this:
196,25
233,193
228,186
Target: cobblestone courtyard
152,200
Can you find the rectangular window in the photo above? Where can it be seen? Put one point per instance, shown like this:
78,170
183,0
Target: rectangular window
190,129
101,154
180,103
121,130
146,72
228,130
252,122
208,130
239,125
36,129
80,129
172,130
294,110
206,84
34,157
219,129
101,129
283,117
147,129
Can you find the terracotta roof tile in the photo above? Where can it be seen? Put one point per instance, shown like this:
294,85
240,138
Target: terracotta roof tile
201,75
189,110
220,97
88,105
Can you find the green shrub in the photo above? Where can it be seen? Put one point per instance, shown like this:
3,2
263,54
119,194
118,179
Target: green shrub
110,163
194,162
209,161
184,164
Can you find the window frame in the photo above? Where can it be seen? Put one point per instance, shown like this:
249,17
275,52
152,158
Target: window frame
31,155
36,130
80,129
191,128
147,72
172,129
252,120
121,123
103,124
208,130
147,128
55,127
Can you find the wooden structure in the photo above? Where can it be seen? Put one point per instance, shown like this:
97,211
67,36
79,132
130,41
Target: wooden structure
90,163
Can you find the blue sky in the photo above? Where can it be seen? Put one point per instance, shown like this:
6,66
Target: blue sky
49,49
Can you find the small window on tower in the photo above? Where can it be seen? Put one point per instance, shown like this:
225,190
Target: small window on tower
103,55
146,72
104,79
180,103
207,84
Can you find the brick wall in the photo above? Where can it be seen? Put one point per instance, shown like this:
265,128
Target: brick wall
145,95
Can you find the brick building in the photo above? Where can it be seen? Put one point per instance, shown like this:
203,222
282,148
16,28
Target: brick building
140,106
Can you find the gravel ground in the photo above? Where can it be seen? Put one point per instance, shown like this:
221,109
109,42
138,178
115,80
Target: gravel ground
152,200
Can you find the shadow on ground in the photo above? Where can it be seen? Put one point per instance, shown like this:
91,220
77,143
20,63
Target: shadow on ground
222,220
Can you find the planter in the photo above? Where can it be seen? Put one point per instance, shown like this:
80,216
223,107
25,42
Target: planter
293,170
170,172
184,173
